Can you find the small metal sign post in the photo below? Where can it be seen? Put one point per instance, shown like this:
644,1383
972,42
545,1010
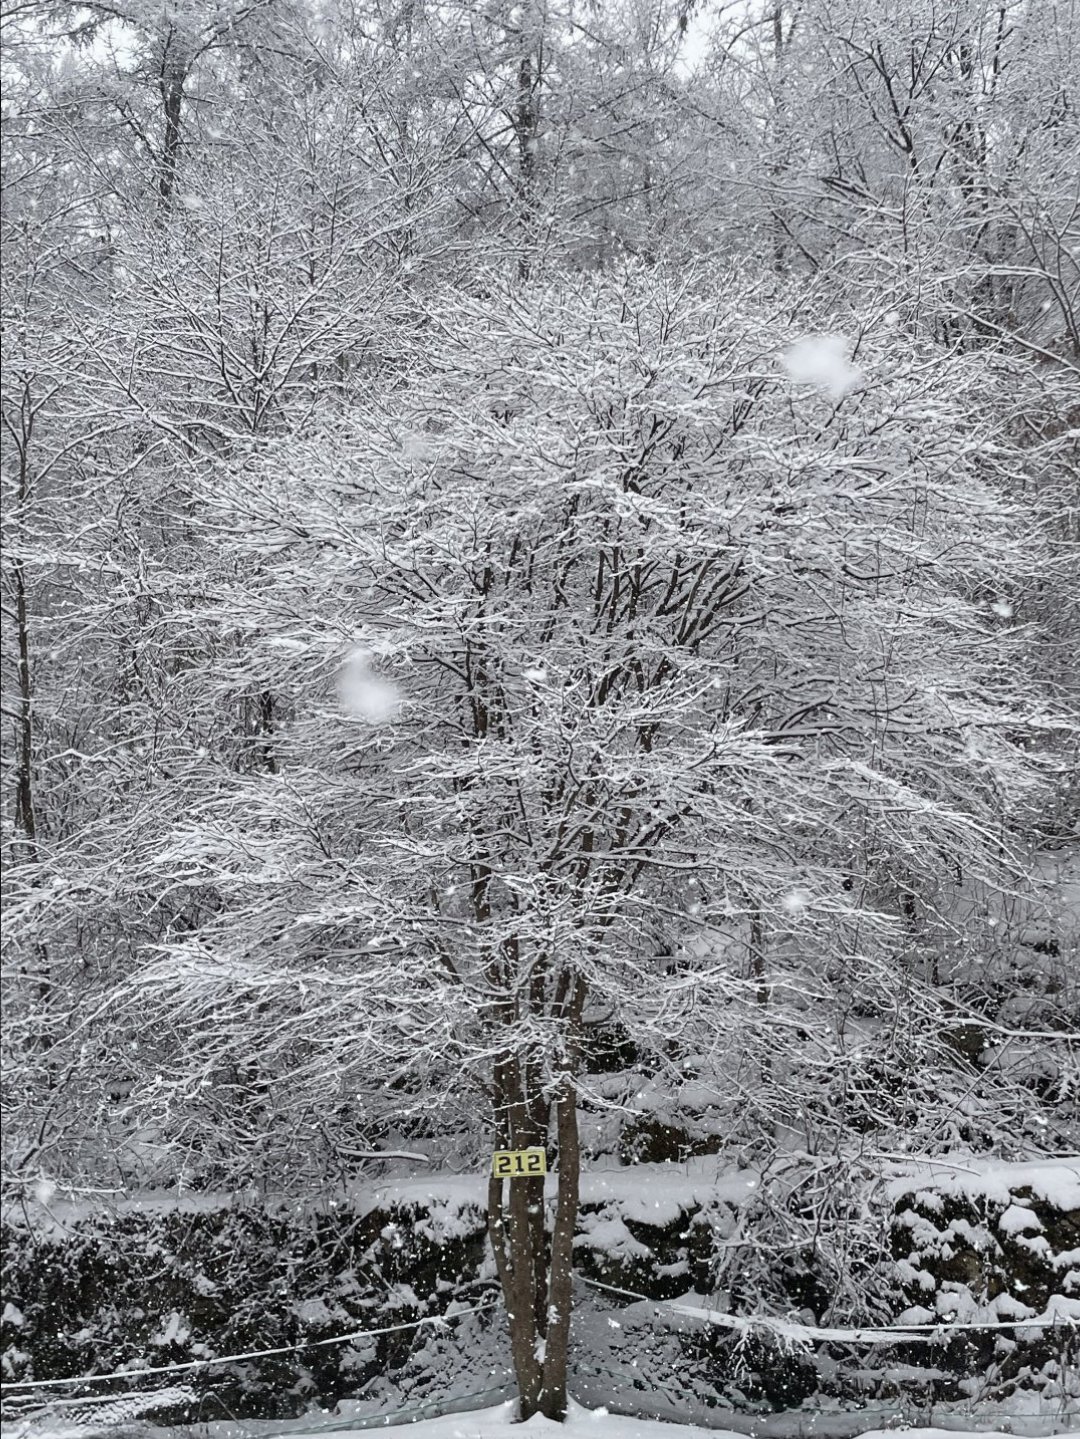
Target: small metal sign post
518,1163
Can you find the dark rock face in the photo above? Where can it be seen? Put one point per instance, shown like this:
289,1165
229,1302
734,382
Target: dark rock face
107,1291
985,1249
155,1288
998,1257
657,1261
649,1140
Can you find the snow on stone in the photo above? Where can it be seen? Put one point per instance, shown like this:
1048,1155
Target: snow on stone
365,695
173,1331
659,1193
1057,1181
655,1194
315,1312
1018,1220
821,361
607,1232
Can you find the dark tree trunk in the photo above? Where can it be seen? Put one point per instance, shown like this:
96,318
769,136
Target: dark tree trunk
173,79
560,1296
25,817
537,1280
519,1259
525,119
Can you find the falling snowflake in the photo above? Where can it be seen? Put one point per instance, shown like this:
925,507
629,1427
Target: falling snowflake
821,361
416,447
365,695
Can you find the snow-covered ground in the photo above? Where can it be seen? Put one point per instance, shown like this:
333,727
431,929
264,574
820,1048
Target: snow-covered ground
499,1423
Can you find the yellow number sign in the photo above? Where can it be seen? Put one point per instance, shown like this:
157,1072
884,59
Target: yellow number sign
518,1163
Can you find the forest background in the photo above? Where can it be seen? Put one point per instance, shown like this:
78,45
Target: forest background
540,608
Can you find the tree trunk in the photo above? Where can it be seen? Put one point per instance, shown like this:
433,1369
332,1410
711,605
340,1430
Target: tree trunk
25,817
537,1282
518,1244
525,119
560,1296
517,1300
171,84
779,138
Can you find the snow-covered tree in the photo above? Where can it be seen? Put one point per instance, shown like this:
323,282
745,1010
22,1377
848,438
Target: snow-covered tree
671,672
